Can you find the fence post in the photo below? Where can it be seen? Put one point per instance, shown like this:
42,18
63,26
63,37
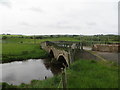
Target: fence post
69,56
64,80
81,46
34,40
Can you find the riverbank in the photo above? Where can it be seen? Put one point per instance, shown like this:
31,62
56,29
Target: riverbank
17,52
81,74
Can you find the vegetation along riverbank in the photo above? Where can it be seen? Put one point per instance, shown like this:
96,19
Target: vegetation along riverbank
81,74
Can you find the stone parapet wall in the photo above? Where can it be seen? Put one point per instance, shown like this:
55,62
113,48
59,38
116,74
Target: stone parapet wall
106,47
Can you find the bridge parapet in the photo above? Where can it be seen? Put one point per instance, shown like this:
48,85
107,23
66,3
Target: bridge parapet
65,44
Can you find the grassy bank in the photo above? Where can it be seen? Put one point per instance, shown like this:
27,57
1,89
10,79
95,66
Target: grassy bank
92,74
15,51
81,74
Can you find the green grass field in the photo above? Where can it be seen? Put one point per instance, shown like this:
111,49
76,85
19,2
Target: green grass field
15,51
25,48
81,74
37,41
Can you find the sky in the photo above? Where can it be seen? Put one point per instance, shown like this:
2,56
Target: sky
45,17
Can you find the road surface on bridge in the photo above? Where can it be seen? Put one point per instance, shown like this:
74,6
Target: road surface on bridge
111,56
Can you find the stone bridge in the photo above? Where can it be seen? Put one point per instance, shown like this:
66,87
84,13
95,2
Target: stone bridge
63,51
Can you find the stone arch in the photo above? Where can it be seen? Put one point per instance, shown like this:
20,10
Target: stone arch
51,54
62,60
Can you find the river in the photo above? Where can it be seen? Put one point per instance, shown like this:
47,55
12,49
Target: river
18,72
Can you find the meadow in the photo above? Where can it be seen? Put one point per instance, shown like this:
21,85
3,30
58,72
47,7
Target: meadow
81,74
15,48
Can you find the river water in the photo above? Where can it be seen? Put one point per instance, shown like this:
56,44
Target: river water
24,71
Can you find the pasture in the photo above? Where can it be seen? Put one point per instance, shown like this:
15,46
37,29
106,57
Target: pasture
16,48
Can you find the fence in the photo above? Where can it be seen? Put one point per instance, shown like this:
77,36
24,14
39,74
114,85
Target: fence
63,80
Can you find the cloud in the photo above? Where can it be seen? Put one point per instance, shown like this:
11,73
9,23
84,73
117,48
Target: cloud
6,3
92,23
28,25
7,31
65,16
36,9
62,26
24,24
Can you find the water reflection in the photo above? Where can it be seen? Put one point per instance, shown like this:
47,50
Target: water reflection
24,71
54,67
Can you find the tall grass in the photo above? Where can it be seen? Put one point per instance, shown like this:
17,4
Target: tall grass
92,74
81,74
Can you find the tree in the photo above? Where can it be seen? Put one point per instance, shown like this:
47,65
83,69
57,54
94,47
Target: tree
4,37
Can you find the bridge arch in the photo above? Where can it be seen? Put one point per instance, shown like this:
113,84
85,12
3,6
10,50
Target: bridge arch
51,54
62,60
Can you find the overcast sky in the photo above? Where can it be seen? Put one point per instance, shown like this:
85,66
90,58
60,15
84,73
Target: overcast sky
86,17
